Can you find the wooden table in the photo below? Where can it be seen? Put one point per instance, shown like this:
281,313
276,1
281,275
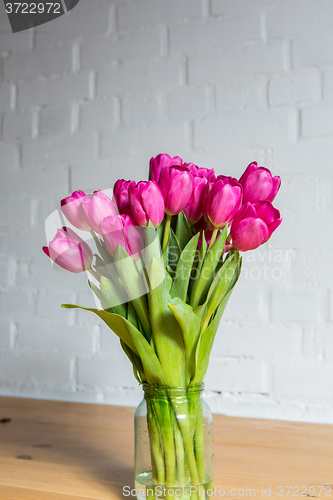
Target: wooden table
73,451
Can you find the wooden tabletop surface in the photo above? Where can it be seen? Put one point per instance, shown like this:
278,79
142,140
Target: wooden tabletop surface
73,451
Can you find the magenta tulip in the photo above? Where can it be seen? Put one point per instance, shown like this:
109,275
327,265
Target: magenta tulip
254,225
199,171
69,251
193,209
258,184
146,203
223,201
122,230
71,208
96,207
157,164
120,192
176,184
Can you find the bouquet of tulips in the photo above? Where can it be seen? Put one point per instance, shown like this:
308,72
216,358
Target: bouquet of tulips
165,261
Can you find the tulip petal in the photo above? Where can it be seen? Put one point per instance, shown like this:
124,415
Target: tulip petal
249,234
276,187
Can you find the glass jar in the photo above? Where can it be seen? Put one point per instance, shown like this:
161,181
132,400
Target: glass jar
173,444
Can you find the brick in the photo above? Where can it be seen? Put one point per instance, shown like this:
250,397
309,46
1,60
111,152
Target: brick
97,115
14,215
328,340
31,183
5,333
9,155
100,53
73,25
194,38
312,51
38,63
166,72
304,157
55,91
294,233
261,341
101,373
16,125
77,147
156,11
328,84
235,376
20,42
264,128
48,306
298,18
229,6
46,336
15,304
311,381
241,93
55,120
242,306
140,108
302,85
217,66
8,266
5,98
36,371
140,140
297,306
127,78
317,121
188,102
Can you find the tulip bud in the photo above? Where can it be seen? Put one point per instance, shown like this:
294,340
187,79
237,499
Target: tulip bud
71,208
122,230
199,171
254,225
176,184
258,184
223,201
157,164
69,251
146,203
96,207
120,192
193,209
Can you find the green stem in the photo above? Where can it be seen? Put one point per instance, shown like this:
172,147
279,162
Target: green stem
199,443
166,232
180,455
158,469
213,238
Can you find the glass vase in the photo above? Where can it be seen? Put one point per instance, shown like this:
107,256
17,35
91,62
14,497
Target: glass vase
173,444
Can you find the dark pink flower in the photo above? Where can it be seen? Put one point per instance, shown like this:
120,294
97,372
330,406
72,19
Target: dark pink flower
160,161
146,203
176,184
120,193
122,230
258,184
254,225
223,201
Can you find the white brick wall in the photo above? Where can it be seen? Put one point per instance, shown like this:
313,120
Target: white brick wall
90,98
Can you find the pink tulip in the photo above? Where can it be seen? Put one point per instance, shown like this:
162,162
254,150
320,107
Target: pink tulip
122,230
120,192
258,184
146,203
254,225
69,251
157,164
71,208
176,184
223,201
193,209
199,171
96,207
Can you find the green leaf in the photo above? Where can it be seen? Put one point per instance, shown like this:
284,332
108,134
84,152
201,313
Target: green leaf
160,231
153,249
183,271
174,250
111,297
190,325
183,231
168,338
131,315
138,371
134,339
135,286
202,283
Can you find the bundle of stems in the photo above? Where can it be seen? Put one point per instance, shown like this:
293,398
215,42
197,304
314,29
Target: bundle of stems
165,306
